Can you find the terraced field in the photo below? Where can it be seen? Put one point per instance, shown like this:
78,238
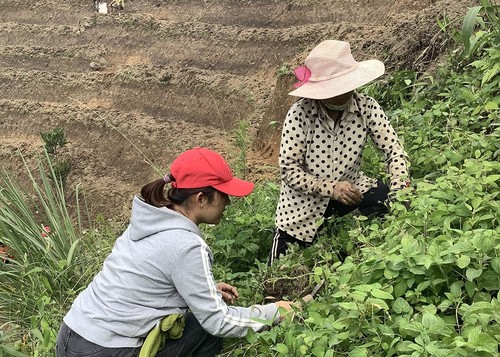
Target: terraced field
163,76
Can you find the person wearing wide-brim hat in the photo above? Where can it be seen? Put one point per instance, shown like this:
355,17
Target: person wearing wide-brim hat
156,294
322,141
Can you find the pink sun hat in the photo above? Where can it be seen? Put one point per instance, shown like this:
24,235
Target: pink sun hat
330,70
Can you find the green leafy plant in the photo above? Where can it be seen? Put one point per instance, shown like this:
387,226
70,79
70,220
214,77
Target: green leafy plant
285,70
246,232
53,139
241,141
5,349
61,170
44,269
425,281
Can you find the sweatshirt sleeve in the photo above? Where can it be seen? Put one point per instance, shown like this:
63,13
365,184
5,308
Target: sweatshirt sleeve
193,279
293,152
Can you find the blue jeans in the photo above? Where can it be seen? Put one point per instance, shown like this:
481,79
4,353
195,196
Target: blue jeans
195,342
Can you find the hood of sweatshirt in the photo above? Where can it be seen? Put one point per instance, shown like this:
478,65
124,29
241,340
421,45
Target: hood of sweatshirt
147,220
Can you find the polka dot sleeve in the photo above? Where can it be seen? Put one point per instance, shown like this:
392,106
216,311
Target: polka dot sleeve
293,150
385,139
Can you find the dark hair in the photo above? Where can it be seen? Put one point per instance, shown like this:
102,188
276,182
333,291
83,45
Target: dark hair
153,193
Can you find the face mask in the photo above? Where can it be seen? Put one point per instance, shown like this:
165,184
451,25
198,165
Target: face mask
339,108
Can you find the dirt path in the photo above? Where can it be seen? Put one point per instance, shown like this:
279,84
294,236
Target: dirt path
164,76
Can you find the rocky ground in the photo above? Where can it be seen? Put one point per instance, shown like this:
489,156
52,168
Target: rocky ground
133,89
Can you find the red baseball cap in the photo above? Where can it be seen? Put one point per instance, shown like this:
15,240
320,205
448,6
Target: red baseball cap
200,167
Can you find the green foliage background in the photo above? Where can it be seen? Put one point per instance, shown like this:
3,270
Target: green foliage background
424,281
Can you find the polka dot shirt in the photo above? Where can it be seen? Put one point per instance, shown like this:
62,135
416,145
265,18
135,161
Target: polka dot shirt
316,153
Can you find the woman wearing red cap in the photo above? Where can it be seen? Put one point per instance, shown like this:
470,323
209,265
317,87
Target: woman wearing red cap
322,143
158,279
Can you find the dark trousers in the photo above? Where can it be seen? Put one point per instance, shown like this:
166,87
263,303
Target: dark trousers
195,342
372,204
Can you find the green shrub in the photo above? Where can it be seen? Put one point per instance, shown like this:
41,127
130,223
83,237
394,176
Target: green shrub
424,281
49,260
53,139
246,233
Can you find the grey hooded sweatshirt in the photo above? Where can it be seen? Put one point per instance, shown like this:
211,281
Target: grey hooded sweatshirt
159,266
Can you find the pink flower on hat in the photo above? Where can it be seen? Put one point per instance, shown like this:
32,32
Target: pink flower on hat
303,74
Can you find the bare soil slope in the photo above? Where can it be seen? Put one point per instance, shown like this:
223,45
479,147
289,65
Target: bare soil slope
164,76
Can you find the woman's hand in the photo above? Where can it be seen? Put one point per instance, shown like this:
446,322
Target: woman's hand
229,292
346,193
286,305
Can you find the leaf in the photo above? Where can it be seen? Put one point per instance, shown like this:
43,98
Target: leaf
491,106
281,348
486,245
484,342
428,309
348,305
341,323
470,287
417,270
400,306
487,76
251,336
380,294
390,274
403,346
358,352
358,295
423,285
463,261
495,264
476,202
416,347
445,304
492,178
428,320
365,287
472,273
400,288
11,351
377,303
318,351
469,25
456,289
72,251
433,350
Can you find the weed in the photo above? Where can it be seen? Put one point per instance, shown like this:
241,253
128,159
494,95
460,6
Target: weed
44,239
61,170
284,70
241,141
54,139
425,281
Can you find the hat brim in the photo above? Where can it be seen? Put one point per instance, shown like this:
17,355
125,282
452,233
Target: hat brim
366,72
235,187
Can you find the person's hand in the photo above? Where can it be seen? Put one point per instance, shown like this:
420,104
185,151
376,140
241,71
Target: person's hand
346,193
286,305
229,292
